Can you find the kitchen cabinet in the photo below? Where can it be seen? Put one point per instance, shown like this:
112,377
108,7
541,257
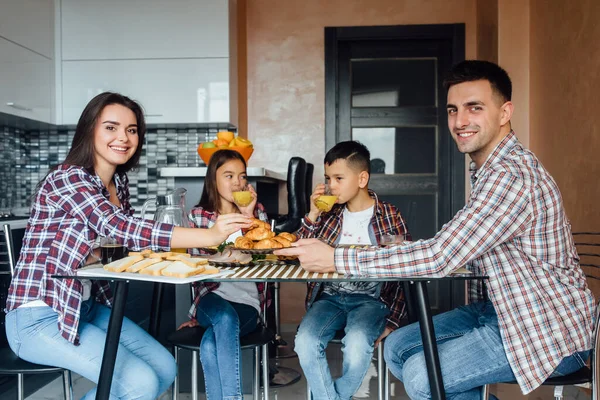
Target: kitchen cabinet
144,29
27,83
170,90
29,23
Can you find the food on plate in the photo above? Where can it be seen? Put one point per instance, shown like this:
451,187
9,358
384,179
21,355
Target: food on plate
260,233
155,269
179,269
209,269
268,244
244,243
283,241
144,253
193,262
162,255
231,256
146,262
289,236
123,263
257,223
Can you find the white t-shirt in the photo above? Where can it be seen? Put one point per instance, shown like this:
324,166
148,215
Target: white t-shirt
239,292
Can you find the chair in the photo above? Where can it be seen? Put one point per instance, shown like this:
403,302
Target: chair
308,186
588,249
10,364
381,369
296,188
258,340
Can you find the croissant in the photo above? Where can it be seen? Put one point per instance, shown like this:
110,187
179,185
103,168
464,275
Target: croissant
257,223
268,244
260,234
284,242
289,236
244,243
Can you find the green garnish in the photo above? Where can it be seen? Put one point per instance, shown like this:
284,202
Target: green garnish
256,257
222,246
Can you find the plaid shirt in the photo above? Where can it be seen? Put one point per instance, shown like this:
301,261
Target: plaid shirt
513,229
70,211
386,220
202,218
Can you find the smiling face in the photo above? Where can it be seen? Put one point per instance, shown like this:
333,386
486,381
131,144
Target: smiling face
115,137
231,176
477,118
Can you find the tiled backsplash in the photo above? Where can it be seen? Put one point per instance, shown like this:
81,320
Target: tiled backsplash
26,156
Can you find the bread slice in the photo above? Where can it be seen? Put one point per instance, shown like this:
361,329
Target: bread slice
162,255
209,269
146,262
155,269
122,264
179,269
193,262
144,253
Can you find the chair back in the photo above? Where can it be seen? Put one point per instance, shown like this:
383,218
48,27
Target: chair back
308,186
10,249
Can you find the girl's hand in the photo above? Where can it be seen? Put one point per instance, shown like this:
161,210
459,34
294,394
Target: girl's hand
249,209
314,212
226,224
189,324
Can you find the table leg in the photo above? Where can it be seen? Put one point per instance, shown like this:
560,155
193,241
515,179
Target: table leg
429,344
154,322
112,340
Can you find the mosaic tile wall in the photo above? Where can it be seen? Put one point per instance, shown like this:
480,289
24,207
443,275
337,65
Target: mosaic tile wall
26,156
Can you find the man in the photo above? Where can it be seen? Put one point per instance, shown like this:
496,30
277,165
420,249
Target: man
539,317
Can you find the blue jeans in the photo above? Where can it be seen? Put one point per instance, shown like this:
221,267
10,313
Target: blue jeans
470,350
220,348
144,369
363,319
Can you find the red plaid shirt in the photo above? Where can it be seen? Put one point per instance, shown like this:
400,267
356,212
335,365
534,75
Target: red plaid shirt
71,209
202,218
386,220
513,229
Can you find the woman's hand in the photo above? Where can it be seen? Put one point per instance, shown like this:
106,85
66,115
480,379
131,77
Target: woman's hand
226,224
189,324
314,212
249,209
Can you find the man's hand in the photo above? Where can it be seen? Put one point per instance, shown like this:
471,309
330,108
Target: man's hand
314,255
189,324
386,332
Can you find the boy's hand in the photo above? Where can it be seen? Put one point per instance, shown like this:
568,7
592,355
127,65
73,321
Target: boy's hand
314,212
189,324
386,332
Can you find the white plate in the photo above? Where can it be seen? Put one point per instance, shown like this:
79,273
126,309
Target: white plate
99,272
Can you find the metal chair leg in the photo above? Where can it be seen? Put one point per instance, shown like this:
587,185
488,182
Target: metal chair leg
256,379
558,392
20,387
265,370
195,375
67,384
308,393
380,372
485,392
175,390
386,377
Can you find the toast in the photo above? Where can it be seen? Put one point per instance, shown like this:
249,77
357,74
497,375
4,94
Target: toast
122,264
162,255
209,269
146,262
155,269
179,269
193,262
144,253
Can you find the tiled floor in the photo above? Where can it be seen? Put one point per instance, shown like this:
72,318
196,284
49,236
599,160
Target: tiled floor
297,391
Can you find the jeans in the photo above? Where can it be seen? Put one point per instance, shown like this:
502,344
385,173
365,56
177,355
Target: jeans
363,319
470,351
220,348
144,369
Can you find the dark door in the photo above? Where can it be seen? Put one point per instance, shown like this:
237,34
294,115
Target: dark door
384,89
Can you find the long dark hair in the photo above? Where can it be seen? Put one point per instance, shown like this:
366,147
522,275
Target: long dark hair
82,146
210,199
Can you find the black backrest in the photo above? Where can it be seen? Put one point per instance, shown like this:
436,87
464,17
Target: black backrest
296,187
310,169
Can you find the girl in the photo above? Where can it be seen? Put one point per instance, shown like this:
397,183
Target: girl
226,310
63,322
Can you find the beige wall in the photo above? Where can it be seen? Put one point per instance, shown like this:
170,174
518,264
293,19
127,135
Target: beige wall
285,72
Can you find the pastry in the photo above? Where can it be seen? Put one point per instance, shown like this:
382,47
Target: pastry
244,243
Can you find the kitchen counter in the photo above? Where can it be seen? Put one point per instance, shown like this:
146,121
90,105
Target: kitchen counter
200,172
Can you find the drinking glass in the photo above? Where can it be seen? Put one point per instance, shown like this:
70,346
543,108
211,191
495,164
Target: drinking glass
388,240
326,201
110,250
242,197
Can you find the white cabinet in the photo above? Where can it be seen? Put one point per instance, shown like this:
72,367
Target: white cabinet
29,23
142,29
170,90
26,82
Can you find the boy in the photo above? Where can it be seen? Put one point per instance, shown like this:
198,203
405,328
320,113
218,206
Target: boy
367,311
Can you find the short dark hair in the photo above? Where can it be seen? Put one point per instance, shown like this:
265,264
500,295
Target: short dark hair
210,199
475,70
355,153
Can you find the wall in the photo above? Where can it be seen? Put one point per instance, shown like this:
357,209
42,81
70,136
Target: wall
285,70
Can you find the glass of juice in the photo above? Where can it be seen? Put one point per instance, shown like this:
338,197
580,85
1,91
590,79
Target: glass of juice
389,240
242,197
111,250
326,201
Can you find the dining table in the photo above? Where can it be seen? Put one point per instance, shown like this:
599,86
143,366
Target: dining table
268,272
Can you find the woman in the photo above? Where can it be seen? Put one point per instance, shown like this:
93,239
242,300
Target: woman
63,323
226,310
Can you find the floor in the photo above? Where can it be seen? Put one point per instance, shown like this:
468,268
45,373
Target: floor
297,391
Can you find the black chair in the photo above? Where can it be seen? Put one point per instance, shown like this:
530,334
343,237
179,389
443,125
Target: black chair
308,187
296,188
10,364
588,249
258,340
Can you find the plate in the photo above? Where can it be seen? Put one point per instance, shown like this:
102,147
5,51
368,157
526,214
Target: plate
254,251
230,264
